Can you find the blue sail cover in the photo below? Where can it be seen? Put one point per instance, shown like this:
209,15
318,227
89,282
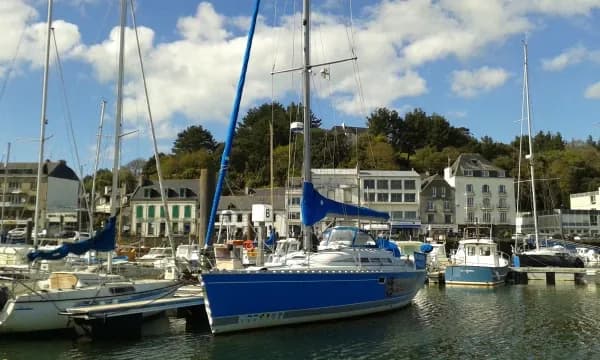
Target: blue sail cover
104,240
315,207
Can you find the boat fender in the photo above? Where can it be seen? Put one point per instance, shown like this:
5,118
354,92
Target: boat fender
248,245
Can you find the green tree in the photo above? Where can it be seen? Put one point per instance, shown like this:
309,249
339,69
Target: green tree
192,139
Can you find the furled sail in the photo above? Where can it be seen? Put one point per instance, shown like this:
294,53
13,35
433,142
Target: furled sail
315,207
104,240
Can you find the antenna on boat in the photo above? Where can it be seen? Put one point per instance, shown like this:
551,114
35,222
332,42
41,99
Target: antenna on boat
43,121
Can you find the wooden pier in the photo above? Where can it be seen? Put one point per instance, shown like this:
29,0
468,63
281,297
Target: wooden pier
523,275
125,319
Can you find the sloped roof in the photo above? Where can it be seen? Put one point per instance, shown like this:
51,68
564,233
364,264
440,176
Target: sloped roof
57,169
474,162
172,186
259,196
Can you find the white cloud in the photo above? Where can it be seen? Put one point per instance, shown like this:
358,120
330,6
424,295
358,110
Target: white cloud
593,91
569,57
472,83
195,76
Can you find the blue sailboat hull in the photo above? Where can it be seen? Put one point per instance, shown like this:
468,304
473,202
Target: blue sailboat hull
244,300
475,275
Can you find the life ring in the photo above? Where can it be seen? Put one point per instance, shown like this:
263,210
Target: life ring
248,244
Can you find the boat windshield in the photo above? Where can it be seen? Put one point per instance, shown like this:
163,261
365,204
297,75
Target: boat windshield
346,237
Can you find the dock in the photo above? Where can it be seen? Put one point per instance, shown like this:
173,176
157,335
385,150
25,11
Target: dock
125,319
522,275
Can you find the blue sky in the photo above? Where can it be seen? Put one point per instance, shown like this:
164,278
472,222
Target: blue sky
459,58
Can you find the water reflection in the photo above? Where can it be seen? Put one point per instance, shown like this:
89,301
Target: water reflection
513,322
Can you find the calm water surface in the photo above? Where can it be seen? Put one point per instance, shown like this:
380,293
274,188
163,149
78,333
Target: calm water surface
511,322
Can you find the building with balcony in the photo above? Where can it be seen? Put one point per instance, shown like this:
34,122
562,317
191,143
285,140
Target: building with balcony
59,189
438,209
484,193
394,192
148,217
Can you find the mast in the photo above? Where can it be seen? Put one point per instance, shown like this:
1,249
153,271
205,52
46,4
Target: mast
38,186
98,142
118,118
530,156
4,187
307,230
231,130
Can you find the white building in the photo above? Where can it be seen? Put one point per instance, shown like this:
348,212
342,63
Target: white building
394,192
484,194
585,201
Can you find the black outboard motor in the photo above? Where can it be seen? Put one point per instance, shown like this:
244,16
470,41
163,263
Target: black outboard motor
4,296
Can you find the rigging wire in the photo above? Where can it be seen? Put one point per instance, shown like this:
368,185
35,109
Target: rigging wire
151,122
69,121
11,67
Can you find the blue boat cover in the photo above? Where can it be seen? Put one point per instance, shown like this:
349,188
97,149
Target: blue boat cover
104,240
315,207
388,245
426,248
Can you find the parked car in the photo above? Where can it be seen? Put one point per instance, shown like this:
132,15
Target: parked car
17,233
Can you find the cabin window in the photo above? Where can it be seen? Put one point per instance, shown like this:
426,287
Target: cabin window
175,211
485,251
363,239
122,290
470,250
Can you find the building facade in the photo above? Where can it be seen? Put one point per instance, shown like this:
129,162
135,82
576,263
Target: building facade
585,201
394,192
438,209
148,217
562,223
59,190
484,193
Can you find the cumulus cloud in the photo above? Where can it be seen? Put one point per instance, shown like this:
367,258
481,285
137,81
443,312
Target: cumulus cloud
472,83
194,75
569,57
593,91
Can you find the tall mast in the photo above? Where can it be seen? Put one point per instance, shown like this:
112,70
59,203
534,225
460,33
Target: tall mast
115,176
38,187
530,155
306,168
4,187
98,142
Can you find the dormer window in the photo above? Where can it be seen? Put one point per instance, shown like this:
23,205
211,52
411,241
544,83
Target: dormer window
147,193
485,173
468,172
182,192
501,173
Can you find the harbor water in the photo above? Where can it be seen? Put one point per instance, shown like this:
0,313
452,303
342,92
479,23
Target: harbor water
532,321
